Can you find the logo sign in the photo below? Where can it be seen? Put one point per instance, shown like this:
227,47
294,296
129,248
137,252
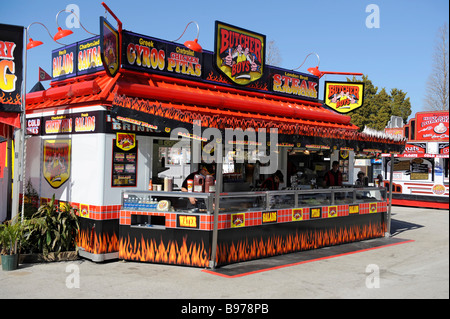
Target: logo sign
57,162
344,97
11,65
125,141
297,214
269,217
372,208
187,221
438,189
237,220
332,211
295,84
239,53
109,43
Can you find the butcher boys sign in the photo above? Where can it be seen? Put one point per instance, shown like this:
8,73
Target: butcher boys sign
11,65
344,97
239,54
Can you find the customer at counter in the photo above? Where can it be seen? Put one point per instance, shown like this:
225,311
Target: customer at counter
273,182
334,176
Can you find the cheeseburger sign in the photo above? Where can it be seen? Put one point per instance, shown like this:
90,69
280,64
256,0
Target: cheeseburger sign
239,53
344,97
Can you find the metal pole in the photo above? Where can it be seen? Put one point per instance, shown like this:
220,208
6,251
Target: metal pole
219,178
391,174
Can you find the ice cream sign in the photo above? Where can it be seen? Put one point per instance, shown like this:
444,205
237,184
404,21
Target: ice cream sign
432,126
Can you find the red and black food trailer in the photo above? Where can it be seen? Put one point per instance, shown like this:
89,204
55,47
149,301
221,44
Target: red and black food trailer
126,110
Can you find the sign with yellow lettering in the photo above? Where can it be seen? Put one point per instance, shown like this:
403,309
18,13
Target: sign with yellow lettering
269,217
11,66
353,209
187,221
315,212
344,97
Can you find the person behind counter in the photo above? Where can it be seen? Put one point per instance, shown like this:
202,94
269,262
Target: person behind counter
333,177
272,183
205,169
362,180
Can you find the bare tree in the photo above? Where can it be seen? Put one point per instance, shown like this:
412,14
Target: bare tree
273,56
436,97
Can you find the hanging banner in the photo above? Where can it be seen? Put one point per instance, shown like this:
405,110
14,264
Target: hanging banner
109,43
239,53
57,161
11,68
344,97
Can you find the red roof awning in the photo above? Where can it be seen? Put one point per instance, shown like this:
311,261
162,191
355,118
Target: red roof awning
10,118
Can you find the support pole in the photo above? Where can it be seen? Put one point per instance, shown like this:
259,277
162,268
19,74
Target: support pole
391,174
219,179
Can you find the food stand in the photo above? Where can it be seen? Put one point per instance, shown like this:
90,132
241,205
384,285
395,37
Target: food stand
421,172
99,140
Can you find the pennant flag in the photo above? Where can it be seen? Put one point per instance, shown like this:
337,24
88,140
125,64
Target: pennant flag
44,76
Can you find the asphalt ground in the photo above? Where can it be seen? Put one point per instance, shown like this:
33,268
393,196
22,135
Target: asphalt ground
417,267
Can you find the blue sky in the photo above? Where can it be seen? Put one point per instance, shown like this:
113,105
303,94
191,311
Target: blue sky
398,54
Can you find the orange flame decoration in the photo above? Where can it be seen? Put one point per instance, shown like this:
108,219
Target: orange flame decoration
97,243
8,99
150,251
197,255
258,121
312,239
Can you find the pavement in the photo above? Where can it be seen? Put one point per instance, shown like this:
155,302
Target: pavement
417,268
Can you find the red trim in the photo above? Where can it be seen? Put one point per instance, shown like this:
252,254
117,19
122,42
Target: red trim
10,118
304,262
416,203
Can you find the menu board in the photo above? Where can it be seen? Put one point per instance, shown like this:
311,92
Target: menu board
344,164
124,166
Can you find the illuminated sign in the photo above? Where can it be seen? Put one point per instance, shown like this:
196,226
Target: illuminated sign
315,212
187,221
344,97
353,209
11,65
269,217
239,53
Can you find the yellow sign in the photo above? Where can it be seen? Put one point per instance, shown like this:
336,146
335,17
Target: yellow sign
316,212
188,221
84,211
353,209
297,214
332,211
269,217
57,161
344,97
125,141
372,207
240,54
237,220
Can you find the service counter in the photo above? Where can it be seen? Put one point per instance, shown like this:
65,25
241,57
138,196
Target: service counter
165,227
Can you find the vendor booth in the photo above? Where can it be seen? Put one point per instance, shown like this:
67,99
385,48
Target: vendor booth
420,175
118,144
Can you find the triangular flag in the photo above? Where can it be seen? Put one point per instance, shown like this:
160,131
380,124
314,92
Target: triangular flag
44,76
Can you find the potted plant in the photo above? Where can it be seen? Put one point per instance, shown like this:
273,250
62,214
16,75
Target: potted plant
10,236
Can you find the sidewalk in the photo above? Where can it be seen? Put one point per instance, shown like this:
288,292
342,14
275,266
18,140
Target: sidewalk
416,269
